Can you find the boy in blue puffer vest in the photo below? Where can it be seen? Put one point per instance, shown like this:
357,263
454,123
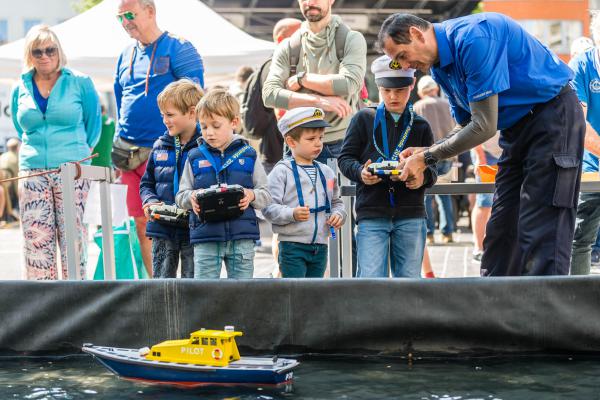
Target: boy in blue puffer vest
160,183
223,157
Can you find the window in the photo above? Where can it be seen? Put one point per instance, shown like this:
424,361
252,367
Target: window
213,341
195,340
556,34
205,341
29,23
3,31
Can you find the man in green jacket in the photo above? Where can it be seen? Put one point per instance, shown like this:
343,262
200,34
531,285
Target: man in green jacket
323,76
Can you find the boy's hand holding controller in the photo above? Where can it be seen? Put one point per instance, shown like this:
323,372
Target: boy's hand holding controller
301,214
367,177
247,199
195,205
147,207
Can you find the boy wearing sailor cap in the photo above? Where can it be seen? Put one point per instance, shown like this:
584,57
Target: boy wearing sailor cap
306,207
390,213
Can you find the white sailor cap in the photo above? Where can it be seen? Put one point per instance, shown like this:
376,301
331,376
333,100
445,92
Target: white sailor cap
307,117
389,74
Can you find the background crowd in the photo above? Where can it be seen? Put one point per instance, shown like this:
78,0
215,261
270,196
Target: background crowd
320,64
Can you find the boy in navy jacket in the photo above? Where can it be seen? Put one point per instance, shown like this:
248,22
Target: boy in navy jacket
222,157
390,213
160,183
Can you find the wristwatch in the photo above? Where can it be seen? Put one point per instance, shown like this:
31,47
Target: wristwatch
299,77
430,159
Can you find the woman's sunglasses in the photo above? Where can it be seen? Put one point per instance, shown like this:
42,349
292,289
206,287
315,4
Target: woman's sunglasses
128,15
49,51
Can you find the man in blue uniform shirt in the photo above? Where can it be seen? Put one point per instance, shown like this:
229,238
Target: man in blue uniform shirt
587,85
497,76
144,69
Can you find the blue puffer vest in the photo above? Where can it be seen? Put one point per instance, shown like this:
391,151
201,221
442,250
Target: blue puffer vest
239,172
157,183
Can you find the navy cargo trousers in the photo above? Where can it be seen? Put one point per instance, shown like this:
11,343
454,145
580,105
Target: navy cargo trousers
530,231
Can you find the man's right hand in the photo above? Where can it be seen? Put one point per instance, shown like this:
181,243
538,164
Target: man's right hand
367,177
335,104
301,214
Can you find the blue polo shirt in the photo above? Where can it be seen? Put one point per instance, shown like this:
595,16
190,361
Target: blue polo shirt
488,53
587,85
142,73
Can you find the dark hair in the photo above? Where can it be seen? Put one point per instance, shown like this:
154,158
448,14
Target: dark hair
397,28
243,73
297,132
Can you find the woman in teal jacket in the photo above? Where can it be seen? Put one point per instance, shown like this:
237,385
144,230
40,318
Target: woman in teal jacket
56,112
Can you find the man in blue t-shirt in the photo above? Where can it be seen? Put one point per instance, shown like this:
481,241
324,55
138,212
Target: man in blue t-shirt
587,85
499,77
144,69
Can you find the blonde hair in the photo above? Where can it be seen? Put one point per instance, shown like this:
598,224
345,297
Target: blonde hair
218,102
37,35
181,94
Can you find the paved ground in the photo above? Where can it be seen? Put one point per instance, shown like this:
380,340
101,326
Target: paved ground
449,261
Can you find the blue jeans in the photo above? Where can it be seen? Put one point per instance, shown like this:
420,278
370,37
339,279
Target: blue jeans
237,254
407,239
446,213
596,246
165,258
586,232
444,202
301,260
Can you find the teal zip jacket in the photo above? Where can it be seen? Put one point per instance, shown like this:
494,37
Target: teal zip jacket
68,130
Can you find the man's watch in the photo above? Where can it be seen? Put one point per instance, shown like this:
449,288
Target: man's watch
299,77
430,159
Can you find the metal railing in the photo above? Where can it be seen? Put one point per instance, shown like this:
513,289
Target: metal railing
340,250
70,172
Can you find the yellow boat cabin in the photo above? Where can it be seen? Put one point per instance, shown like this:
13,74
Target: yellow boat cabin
204,347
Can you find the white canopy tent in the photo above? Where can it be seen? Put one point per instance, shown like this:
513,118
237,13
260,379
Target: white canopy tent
94,39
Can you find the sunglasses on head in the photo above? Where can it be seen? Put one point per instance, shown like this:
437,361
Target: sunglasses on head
49,51
128,15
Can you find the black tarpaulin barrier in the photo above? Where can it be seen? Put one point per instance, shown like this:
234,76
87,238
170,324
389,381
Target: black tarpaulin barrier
373,316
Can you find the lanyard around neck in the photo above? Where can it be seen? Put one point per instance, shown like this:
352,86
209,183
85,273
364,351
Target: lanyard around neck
176,174
133,52
327,206
381,120
215,164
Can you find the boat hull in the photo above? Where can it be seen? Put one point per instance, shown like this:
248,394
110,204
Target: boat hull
128,364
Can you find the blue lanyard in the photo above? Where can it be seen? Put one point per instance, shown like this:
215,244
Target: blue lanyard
380,120
317,209
176,174
214,163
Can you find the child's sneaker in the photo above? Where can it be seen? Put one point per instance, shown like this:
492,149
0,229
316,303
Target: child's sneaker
477,256
430,238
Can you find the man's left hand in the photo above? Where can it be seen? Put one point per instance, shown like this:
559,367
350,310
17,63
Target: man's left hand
412,167
292,83
416,182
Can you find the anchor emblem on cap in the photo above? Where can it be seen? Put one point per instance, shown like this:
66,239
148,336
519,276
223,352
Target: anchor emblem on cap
395,65
318,113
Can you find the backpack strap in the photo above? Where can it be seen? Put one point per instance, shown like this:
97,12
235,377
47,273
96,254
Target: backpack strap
295,43
340,40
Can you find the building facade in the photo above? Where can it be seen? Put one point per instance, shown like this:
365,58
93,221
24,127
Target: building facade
556,23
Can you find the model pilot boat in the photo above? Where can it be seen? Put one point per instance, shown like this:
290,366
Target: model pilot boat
208,356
